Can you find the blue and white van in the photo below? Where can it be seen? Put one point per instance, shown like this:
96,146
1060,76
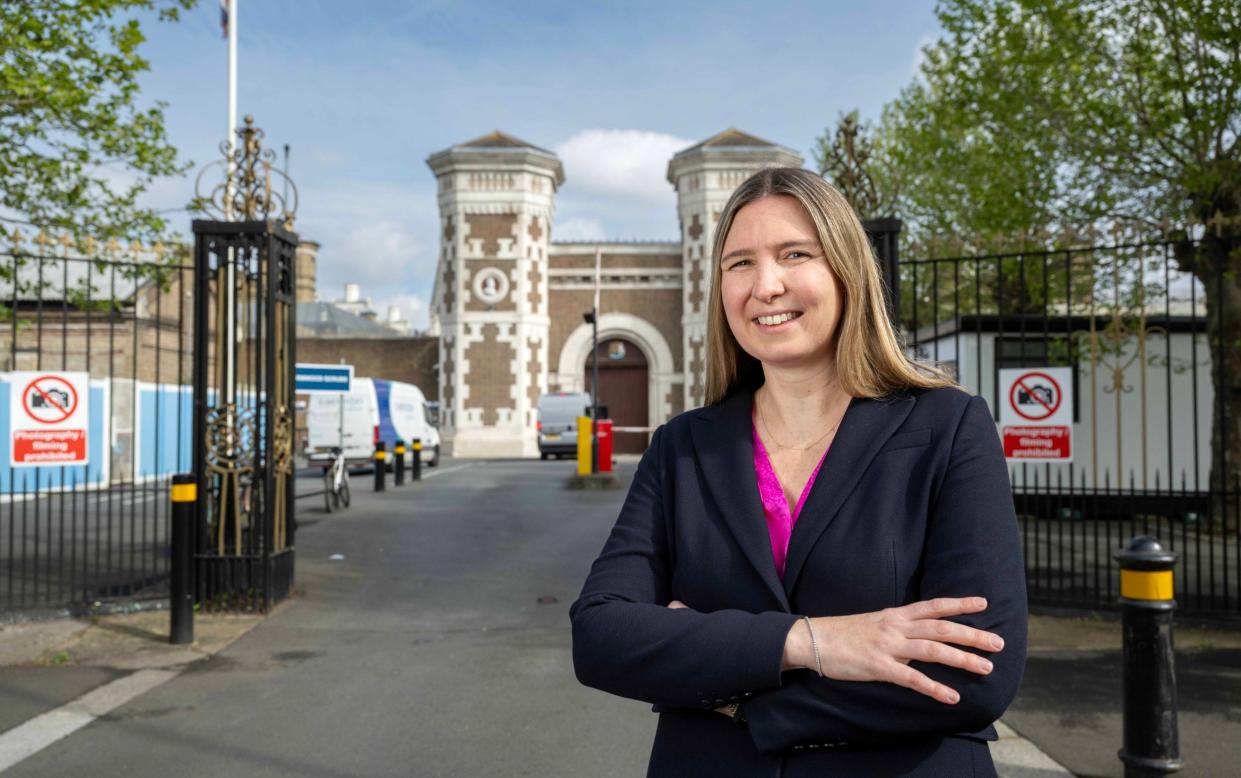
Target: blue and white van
374,410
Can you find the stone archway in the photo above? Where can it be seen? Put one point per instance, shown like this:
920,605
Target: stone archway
663,374
623,385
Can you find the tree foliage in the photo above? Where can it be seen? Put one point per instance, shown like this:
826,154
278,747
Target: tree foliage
1034,115
1034,119
77,148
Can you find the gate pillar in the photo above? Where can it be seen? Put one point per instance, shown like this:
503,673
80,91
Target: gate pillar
885,235
245,317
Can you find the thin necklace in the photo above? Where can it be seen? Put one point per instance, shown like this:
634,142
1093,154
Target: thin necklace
778,444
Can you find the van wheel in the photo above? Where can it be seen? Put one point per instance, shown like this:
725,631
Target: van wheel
435,457
543,455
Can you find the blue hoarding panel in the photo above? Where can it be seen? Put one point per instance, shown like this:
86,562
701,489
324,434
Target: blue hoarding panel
165,429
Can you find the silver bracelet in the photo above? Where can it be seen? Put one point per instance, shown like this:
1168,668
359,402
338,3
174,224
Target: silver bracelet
818,662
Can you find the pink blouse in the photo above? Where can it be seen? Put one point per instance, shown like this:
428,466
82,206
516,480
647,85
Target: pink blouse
775,506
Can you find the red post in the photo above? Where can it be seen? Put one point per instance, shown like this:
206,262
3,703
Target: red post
605,445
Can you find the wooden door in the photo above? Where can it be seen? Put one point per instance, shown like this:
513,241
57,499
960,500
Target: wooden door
623,389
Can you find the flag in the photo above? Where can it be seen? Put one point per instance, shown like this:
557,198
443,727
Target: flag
224,16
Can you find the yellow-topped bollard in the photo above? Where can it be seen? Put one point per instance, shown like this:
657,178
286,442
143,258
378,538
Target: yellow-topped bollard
583,445
1151,744
181,566
398,463
381,464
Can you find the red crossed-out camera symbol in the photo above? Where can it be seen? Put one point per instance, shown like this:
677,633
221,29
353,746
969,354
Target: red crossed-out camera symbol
1035,396
49,399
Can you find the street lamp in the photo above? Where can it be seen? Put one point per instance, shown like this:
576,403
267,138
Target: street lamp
592,320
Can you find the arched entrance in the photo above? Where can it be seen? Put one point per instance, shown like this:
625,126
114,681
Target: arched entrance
623,383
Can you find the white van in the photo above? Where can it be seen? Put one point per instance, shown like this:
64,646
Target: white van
557,423
374,410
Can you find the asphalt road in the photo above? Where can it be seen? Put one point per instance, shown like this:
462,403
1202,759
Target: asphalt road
425,651
1070,706
439,646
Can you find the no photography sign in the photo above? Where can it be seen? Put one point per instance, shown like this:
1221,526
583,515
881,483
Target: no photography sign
1036,413
48,419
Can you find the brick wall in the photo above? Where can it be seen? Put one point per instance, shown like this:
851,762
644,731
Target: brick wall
660,307
411,360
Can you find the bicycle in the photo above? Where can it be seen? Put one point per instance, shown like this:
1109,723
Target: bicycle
336,482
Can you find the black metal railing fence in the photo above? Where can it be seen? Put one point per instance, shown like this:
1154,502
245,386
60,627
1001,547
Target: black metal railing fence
82,536
1148,332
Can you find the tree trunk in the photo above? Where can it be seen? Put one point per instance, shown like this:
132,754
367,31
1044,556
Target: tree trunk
1217,264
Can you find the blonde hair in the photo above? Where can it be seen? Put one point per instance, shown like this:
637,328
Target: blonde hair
870,360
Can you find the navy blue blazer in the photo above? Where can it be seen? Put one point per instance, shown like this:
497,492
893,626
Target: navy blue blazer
913,501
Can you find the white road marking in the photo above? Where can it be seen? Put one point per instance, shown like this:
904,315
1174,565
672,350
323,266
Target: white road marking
28,739
437,471
1016,757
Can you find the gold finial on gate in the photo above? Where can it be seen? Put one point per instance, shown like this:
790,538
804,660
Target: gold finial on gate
66,243
17,238
244,188
42,240
1218,221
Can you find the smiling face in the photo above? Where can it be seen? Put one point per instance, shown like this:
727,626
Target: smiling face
781,299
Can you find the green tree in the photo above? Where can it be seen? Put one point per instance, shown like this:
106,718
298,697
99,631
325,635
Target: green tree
1030,116
1035,114
76,148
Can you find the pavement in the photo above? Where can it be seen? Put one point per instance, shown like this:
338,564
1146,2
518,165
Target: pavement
429,635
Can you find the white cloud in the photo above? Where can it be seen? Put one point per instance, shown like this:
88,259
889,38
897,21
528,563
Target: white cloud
630,164
578,229
375,234
379,255
412,307
328,158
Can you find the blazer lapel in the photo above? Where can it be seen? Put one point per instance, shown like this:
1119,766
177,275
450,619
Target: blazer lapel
866,426
722,439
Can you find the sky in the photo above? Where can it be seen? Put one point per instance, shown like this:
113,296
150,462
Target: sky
363,92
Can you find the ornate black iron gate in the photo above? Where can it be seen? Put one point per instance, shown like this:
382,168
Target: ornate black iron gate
244,327
244,318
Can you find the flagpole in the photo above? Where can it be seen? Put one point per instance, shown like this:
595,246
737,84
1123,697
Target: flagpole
230,277
231,136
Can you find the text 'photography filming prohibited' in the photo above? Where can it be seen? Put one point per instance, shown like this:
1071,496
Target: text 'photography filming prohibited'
48,419
1036,413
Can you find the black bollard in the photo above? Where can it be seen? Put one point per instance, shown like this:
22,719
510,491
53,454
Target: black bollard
380,464
181,566
398,463
417,459
1151,745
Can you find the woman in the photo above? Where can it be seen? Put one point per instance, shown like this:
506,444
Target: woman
819,573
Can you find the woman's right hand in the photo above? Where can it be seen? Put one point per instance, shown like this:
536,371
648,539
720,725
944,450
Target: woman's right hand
878,646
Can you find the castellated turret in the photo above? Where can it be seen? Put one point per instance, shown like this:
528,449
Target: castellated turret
496,204
705,176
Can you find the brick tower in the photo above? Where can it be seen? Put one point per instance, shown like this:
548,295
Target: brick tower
496,201
705,176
